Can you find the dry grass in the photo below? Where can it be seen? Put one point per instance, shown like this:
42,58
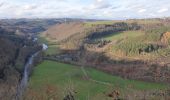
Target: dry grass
63,31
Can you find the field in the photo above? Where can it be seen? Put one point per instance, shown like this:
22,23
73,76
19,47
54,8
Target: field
41,39
52,49
100,23
123,35
129,42
52,46
109,22
53,81
145,21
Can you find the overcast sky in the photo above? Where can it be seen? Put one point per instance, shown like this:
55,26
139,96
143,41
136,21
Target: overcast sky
93,9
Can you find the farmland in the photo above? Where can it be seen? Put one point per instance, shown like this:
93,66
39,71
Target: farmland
110,50
123,35
61,78
52,46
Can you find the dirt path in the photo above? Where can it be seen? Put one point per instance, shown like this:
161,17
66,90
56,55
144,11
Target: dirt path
93,80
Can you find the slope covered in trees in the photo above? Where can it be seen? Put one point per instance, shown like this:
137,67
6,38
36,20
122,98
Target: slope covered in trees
14,52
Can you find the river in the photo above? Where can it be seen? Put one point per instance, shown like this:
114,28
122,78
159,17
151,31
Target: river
27,68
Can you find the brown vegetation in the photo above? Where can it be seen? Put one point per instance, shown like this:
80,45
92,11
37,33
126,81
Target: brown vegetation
165,38
63,31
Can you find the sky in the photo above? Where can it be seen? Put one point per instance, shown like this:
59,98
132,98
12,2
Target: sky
88,9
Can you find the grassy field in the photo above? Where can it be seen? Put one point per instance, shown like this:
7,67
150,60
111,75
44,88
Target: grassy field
52,81
52,46
122,35
52,49
41,39
101,22
129,43
153,21
145,21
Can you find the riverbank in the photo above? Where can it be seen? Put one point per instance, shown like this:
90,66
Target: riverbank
24,81
22,86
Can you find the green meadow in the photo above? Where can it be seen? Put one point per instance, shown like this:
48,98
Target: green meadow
52,50
142,21
123,35
53,80
52,46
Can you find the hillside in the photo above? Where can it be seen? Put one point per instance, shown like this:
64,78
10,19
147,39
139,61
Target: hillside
29,27
14,52
63,31
81,83
133,45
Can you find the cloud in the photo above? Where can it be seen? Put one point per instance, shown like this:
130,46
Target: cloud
100,4
163,10
97,9
1,4
30,7
114,7
142,10
99,0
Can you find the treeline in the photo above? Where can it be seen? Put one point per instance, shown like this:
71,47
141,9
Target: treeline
103,30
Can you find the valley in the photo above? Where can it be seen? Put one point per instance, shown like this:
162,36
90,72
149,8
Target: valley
84,50
106,46
89,60
132,61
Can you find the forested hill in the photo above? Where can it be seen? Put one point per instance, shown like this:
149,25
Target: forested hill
33,26
14,52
